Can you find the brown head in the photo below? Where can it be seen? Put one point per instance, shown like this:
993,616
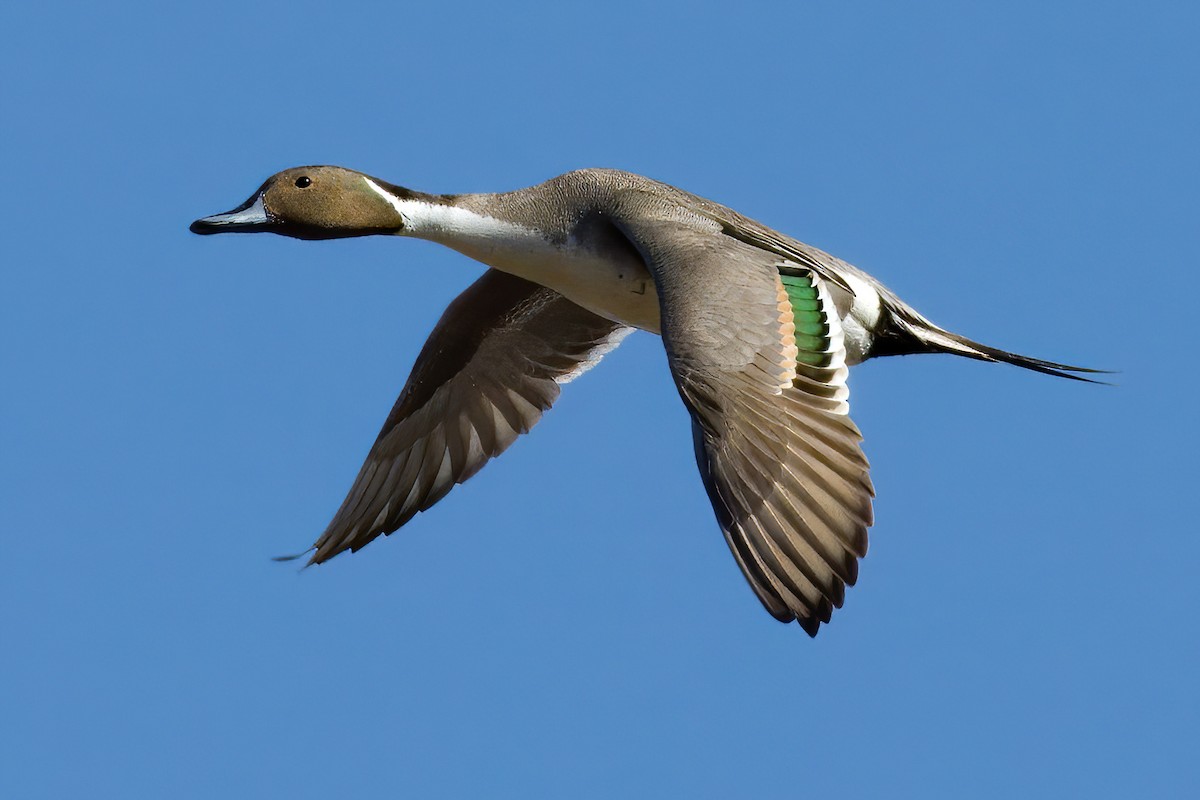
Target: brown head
314,203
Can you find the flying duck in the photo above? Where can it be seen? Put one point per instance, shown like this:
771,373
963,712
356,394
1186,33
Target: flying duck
759,330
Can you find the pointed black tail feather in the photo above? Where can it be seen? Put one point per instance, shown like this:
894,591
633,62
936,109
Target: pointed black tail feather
939,340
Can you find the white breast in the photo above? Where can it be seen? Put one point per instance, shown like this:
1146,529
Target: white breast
616,288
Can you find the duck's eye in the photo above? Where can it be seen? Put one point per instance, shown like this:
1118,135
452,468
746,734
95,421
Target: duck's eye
303,182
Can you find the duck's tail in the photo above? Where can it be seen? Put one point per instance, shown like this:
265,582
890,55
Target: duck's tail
906,331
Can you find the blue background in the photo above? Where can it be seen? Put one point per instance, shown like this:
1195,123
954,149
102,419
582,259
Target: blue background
177,410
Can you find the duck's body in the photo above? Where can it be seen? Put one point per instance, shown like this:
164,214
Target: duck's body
759,330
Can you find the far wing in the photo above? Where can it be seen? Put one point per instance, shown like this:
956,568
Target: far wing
493,364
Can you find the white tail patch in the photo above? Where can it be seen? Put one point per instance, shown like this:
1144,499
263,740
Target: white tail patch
862,318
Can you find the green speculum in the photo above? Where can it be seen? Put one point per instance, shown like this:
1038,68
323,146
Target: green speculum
812,326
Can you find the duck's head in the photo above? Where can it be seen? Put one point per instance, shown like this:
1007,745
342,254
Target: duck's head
314,203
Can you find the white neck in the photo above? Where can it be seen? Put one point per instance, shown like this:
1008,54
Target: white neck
493,241
617,288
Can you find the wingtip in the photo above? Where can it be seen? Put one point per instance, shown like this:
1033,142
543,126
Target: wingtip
294,556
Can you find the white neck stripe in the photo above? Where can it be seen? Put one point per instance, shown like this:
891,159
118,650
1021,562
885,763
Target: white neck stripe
395,202
453,225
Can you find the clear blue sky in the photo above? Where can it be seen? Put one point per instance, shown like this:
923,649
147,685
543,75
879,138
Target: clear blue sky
176,409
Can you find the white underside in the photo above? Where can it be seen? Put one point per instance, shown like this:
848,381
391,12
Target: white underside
622,292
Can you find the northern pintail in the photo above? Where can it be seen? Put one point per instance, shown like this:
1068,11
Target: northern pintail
759,330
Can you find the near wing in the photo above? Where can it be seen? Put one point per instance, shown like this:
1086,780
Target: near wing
779,456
